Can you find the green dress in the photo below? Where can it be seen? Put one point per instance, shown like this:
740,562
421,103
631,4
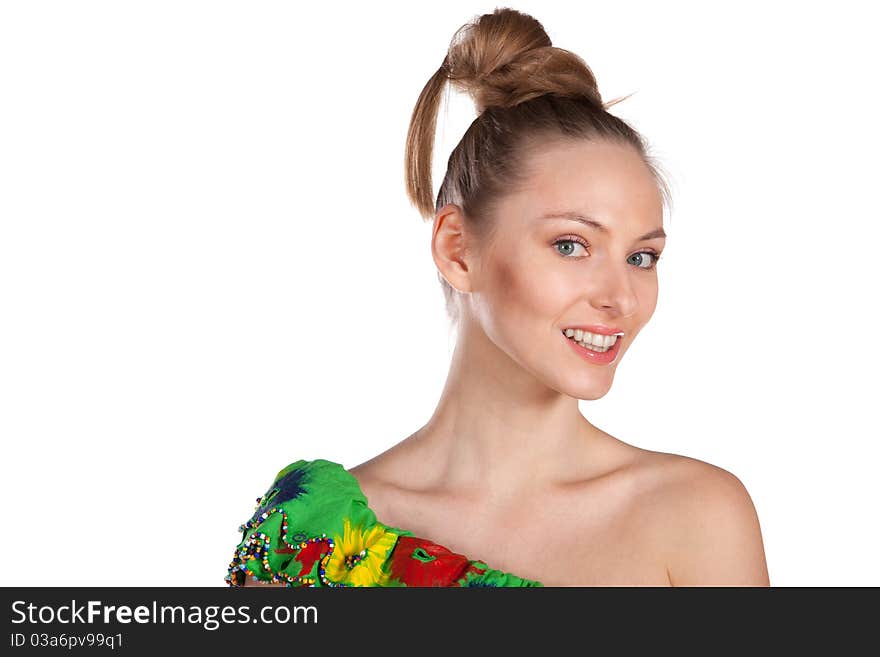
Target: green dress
313,527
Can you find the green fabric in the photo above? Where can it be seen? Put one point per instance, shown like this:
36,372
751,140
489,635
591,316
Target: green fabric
333,538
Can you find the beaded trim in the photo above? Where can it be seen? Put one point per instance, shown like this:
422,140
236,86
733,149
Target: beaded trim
257,547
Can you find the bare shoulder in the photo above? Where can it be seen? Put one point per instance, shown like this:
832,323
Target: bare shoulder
704,521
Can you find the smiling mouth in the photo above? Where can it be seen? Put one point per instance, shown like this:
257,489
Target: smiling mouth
593,341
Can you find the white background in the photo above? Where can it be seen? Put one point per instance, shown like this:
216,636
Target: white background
209,267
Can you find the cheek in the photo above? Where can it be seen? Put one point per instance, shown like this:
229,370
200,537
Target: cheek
524,293
648,299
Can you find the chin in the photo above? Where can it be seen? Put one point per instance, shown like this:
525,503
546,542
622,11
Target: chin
587,390
593,393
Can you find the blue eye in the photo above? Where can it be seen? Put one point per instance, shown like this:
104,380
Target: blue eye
639,258
570,243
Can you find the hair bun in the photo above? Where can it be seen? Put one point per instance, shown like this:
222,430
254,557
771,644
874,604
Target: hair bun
506,57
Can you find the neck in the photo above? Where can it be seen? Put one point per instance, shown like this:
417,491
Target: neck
498,430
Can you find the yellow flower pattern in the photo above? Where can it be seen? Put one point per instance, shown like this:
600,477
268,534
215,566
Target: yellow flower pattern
359,556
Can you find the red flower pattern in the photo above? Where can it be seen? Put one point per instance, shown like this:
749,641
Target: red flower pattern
418,562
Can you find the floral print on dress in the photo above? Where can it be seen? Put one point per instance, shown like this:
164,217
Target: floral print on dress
313,527
418,562
358,558
286,488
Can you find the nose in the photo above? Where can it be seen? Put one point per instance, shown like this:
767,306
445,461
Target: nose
612,290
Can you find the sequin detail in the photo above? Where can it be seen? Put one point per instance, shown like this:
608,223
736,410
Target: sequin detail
258,544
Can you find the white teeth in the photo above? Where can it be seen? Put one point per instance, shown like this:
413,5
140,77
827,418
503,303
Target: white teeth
595,348
592,347
595,341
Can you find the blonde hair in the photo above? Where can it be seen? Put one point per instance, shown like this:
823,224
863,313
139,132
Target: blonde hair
526,92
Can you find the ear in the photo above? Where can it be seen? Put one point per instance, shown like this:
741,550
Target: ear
449,248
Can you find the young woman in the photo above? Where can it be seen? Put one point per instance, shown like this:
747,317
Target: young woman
547,231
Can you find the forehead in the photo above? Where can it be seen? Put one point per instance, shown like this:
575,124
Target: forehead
606,180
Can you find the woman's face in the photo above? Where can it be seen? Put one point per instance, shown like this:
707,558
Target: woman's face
541,271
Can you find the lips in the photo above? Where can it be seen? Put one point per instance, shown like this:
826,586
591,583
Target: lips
600,329
596,357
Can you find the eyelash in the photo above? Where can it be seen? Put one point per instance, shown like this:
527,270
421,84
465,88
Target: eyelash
655,257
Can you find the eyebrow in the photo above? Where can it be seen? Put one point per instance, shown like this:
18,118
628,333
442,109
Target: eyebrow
592,223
